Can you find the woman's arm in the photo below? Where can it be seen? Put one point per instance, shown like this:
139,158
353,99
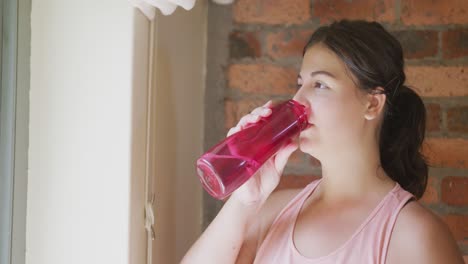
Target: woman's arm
238,221
244,244
223,238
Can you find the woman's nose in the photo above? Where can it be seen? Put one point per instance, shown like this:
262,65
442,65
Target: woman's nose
298,97
301,99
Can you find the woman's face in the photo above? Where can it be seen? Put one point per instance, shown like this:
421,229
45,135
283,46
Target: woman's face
337,105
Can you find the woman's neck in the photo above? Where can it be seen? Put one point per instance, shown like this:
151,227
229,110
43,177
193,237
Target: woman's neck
354,176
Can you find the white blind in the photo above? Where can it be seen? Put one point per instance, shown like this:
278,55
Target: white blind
167,7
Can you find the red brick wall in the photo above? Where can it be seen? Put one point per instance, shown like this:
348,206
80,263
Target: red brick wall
265,46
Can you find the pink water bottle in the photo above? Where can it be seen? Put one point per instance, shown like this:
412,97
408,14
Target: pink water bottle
230,163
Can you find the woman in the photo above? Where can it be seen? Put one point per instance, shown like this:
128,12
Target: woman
367,130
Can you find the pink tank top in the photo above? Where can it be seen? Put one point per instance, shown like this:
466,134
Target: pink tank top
368,244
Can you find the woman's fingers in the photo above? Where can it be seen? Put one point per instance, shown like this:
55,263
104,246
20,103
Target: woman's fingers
253,117
248,119
233,130
268,104
262,111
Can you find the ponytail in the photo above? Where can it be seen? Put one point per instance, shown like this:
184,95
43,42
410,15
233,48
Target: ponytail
401,138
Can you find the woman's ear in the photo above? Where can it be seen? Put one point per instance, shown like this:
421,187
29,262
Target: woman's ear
375,103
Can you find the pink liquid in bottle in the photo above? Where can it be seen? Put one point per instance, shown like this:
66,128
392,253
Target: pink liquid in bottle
230,163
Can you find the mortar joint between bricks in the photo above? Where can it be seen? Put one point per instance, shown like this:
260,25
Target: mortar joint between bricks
398,12
443,112
311,9
439,45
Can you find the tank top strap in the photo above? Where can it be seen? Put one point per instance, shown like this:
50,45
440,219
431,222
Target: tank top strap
400,198
378,232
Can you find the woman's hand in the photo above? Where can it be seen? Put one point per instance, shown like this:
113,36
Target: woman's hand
257,189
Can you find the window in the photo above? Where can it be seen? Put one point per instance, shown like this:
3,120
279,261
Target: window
14,87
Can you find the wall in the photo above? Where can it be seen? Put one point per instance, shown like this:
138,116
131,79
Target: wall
255,53
177,130
87,123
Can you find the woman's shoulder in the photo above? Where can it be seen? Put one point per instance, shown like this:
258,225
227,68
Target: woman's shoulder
421,236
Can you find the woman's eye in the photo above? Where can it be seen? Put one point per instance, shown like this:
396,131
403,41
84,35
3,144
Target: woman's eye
320,85
317,85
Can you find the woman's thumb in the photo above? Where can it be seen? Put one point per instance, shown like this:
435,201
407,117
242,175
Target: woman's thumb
283,155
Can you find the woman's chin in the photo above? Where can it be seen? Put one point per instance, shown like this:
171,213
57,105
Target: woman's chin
309,144
305,145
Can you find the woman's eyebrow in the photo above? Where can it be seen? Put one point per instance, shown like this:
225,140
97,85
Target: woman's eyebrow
312,74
